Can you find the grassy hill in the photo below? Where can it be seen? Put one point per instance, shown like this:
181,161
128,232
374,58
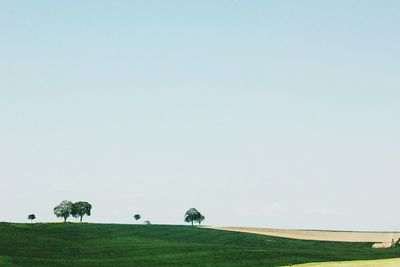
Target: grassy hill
164,245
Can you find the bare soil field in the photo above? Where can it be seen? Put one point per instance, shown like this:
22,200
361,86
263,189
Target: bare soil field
369,263
383,239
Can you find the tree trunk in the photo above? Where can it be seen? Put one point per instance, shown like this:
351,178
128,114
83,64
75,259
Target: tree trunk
65,219
81,218
192,223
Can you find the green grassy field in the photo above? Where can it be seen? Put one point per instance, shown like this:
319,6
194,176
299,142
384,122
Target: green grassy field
164,245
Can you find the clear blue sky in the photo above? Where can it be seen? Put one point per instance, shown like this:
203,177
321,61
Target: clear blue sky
258,113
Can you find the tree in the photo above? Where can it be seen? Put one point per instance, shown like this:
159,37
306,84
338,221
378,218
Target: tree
80,209
137,217
191,215
63,210
31,217
147,222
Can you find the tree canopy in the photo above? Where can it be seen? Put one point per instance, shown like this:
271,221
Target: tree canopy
31,217
193,215
137,217
64,209
80,209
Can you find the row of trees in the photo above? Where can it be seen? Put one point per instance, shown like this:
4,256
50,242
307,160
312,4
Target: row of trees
81,208
77,210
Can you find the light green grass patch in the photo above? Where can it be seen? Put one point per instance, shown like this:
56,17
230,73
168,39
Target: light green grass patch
6,262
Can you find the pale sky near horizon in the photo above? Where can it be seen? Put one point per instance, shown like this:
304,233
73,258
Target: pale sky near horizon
258,113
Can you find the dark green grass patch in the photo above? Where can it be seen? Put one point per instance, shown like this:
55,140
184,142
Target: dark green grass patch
163,245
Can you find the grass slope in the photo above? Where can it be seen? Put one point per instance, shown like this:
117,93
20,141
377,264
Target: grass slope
163,245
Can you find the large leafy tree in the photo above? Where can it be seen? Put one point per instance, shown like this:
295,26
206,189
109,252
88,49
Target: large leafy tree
193,215
64,209
80,209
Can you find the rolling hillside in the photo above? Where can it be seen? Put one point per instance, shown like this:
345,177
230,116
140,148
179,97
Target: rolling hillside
164,245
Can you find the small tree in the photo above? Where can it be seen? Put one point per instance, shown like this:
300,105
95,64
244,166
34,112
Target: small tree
31,217
137,217
147,222
191,215
63,210
80,209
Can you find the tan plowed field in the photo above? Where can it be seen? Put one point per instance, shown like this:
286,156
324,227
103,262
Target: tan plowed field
344,236
370,263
